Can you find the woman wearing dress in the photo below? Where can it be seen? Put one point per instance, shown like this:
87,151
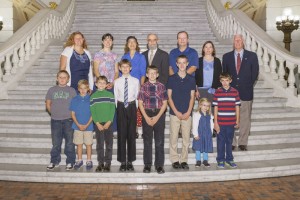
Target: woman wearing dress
138,63
76,60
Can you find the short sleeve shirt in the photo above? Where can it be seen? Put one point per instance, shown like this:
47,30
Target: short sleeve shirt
181,91
60,101
107,62
81,106
138,64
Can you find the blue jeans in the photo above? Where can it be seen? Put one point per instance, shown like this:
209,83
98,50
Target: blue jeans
224,143
62,129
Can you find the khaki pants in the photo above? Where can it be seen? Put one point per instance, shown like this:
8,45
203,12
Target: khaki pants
186,126
245,124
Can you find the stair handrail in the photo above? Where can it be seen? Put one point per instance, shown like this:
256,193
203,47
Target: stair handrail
273,59
18,52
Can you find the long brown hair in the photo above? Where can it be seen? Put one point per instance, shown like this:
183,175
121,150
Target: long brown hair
213,46
70,41
126,48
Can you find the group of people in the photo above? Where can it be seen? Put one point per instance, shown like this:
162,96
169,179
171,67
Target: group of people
136,89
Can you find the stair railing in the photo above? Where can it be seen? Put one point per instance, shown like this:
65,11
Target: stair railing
20,52
273,59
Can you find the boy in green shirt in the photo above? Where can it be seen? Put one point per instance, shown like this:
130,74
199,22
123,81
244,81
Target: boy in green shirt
103,111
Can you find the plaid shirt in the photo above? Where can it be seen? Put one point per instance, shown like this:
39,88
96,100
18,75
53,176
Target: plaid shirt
153,95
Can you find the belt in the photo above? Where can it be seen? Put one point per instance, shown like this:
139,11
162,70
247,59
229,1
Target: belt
130,102
153,110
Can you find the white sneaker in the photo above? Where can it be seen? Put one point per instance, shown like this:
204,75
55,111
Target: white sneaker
51,166
69,167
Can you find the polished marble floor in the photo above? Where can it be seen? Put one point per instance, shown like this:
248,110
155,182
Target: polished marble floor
255,189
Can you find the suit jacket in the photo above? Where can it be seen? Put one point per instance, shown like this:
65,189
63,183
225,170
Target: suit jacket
216,75
161,61
245,80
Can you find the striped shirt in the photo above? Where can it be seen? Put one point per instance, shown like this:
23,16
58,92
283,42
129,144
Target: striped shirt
102,105
226,101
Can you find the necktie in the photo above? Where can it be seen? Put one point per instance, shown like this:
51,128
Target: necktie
238,63
126,93
151,57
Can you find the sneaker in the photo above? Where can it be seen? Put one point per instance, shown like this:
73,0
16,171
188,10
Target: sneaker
198,163
78,164
51,166
221,165
206,164
69,167
89,165
231,164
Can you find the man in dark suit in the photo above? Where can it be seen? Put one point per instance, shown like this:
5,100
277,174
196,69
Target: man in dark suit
157,57
243,67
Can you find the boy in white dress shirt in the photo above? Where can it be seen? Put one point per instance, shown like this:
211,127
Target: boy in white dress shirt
126,90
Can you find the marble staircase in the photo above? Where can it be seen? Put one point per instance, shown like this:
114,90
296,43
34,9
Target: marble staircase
25,141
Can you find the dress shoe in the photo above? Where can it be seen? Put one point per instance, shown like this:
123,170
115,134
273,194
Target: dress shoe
176,165
160,170
123,167
243,147
184,165
106,167
147,169
100,167
137,135
130,166
233,148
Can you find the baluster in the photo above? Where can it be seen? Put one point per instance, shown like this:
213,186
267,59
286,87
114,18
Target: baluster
244,34
234,27
259,54
54,25
43,33
15,61
38,39
281,72
21,55
239,30
253,45
273,67
33,43
7,66
291,79
266,60
27,49
47,29
248,41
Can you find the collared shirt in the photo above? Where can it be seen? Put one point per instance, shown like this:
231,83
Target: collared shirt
138,64
181,91
81,107
133,89
149,53
226,101
191,54
153,95
235,55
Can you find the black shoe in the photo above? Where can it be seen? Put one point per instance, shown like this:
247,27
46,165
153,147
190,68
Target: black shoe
123,167
106,167
147,169
130,166
198,163
100,167
137,135
160,170
184,165
214,133
176,165
233,148
243,147
205,163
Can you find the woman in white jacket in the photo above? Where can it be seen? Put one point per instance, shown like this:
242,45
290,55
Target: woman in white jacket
76,60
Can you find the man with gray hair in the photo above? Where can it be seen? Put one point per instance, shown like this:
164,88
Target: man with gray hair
243,66
157,57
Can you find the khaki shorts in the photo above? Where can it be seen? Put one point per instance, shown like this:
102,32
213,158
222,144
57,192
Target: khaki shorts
83,137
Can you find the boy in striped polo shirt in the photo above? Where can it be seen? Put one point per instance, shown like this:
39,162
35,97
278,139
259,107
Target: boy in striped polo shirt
226,104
